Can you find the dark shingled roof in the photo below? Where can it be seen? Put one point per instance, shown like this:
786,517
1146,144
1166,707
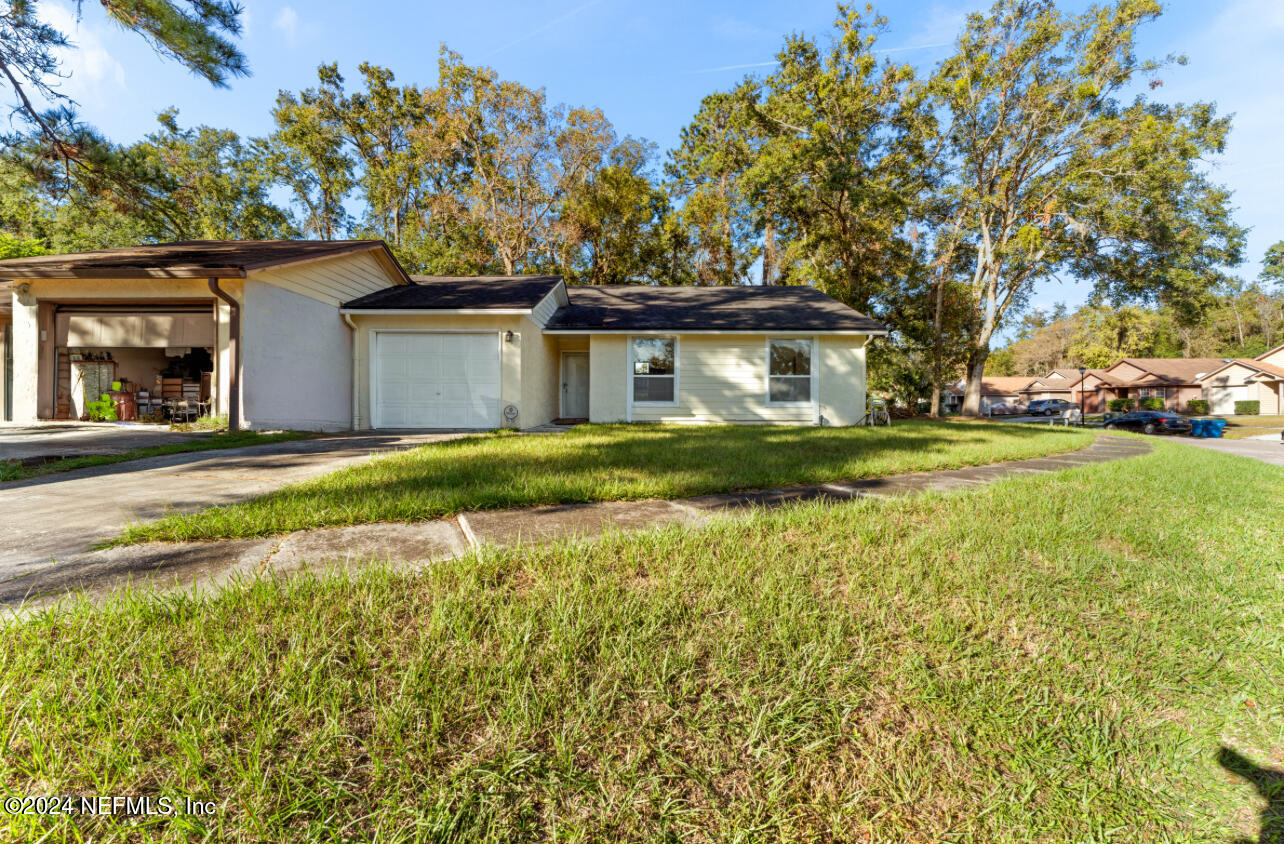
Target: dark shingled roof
646,308
187,259
438,293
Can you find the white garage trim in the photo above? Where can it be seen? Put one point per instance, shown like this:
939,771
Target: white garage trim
493,409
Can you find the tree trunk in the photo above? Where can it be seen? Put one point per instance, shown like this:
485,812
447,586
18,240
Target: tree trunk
937,342
769,254
975,372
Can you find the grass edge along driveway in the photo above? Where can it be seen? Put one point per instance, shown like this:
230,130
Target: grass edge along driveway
15,470
606,463
1089,655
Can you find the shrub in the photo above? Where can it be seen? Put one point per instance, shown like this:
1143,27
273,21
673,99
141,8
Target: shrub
1198,406
1119,404
1152,403
103,410
1248,408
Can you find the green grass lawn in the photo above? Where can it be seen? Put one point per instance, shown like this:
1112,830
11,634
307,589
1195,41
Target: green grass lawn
607,463
1239,427
1094,655
14,470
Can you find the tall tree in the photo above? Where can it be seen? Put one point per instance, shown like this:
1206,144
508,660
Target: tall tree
1058,175
310,151
198,34
840,159
706,178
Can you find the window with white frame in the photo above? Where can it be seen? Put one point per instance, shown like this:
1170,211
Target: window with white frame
1153,392
655,367
788,371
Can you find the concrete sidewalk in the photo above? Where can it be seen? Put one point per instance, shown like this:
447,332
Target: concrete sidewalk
1268,450
57,517
207,565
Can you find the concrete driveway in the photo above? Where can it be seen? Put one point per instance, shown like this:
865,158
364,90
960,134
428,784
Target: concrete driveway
71,439
47,519
1266,450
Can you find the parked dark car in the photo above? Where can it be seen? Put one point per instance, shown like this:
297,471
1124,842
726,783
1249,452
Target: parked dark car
1151,422
1049,407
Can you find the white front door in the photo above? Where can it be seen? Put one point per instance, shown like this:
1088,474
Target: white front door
436,380
575,387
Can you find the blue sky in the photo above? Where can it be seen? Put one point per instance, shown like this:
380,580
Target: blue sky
647,65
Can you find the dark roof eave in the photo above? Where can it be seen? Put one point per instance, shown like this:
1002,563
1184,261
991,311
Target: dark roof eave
127,272
712,329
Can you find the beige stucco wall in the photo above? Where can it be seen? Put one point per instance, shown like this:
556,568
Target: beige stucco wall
528,365
296,361
723,378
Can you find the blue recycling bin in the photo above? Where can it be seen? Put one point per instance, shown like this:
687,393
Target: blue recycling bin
1198,428
1215,427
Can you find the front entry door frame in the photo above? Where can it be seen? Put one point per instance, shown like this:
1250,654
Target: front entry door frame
567,386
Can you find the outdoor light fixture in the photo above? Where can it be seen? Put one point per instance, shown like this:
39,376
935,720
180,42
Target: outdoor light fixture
1082,371
508,336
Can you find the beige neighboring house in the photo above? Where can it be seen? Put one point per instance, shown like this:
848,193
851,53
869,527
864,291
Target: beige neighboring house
995,390
1056,384
335,335
1241,379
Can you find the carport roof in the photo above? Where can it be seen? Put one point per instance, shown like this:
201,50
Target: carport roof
193,259
623,308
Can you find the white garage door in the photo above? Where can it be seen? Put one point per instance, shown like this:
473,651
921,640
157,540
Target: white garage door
425,380
1221,400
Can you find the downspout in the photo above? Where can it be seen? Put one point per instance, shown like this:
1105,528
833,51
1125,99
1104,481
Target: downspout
234,353
356,418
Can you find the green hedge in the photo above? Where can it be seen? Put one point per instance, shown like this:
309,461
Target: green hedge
1152,403
1119,404
1198,406
1248,408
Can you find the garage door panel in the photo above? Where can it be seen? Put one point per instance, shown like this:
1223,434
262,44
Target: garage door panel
427,380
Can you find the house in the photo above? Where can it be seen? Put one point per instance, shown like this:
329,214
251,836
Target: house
1056,384
995,389
1174,380
335,335
1240,379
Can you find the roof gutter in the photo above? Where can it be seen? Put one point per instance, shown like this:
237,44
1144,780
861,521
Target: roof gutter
434,311
826,332
234,353
356,368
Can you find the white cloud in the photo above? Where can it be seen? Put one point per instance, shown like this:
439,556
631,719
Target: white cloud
90,69
287,23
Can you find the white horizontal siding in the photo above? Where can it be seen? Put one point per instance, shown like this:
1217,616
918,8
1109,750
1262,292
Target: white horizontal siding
723,379
333,280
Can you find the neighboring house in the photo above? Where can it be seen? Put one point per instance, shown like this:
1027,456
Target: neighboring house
334,335
1056,384
1174,380
995,389
1241,379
